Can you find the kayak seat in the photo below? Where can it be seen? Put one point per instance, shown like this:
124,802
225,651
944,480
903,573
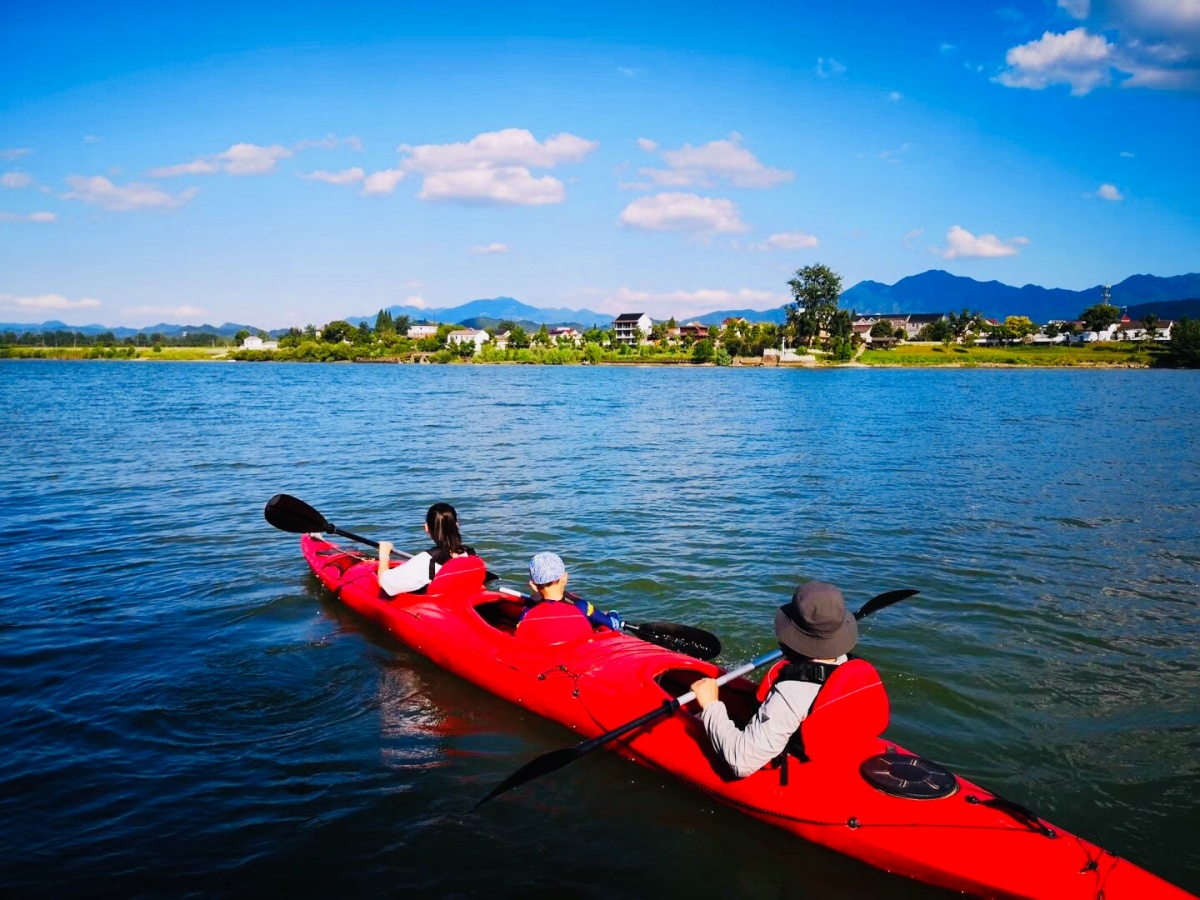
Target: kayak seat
462,574
846,720
552,622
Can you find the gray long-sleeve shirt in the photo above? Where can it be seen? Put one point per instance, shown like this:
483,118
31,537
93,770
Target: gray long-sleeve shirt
766,735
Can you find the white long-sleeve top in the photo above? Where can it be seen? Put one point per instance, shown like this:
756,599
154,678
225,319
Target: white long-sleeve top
765,736
411,575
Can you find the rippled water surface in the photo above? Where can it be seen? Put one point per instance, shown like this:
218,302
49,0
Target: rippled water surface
186,711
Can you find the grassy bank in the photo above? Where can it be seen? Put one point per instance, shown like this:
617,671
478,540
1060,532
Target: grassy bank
129,353
1124,354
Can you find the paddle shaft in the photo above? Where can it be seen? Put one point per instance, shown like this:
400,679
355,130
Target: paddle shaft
669,706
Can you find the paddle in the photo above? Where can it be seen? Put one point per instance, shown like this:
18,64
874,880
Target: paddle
288,513
556,759
695,642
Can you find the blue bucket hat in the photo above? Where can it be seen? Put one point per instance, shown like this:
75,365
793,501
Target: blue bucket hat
545,568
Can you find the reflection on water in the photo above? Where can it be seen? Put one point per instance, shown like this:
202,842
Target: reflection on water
187,711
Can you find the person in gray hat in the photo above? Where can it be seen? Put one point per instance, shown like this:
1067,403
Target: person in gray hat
548,577
815,633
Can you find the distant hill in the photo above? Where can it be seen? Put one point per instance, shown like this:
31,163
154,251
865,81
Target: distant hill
777,315
497,309
932,291
938,291
1166,309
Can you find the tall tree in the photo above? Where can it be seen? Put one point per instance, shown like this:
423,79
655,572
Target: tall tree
816,290
1099,317
1150,324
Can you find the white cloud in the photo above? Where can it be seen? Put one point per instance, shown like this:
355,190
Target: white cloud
494,168
418,302
102,192
46,302
490,248
704,166
240,159
28,217
1076,9
498,149
626,71
963,244
911,238
683,212
14,153
682,304
1109,192
382,182
16,180
1150,44
511,186
829,68
346,176
1077,58
788,240
648,145
895,96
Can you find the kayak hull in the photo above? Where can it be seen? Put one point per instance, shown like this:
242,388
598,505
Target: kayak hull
970,841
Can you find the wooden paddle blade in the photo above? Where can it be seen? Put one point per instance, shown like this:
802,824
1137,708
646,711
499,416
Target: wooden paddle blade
884,600
695,642
288,513
543,765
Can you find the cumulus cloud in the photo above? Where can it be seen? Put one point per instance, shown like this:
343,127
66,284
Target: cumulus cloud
681,304
1077,58
240,159
382,182
1154,44
683,212
16,180
490,248
509,186
46,302
717,161
99,191
28,217
1109,192
14,153
346,176
648,145
962,244
494,168
788,240
418,302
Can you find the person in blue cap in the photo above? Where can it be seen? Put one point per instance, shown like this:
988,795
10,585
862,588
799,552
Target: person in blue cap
548,577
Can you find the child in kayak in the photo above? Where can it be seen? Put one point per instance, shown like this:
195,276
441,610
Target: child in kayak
441,524
815,633
548,577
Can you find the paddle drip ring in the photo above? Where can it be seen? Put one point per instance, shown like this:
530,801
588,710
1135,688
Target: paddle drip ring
908,776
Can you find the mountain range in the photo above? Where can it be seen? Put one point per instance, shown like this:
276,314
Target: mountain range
932,291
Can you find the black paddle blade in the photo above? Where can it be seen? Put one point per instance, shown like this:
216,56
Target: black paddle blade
287,513
695,642
884,600
543,765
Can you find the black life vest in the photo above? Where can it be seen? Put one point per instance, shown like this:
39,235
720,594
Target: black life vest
813,673
439,557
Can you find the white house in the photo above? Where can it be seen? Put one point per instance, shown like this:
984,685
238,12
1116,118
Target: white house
254,342
631,328
417,332
477,336
562,335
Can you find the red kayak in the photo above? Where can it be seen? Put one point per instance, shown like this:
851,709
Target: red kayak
872,800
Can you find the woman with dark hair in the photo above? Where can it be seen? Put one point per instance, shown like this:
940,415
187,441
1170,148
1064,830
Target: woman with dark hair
441,524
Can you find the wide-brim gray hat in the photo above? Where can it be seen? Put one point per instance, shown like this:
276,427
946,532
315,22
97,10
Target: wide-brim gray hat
815,623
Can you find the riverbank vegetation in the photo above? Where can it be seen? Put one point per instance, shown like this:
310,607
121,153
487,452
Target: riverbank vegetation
814,321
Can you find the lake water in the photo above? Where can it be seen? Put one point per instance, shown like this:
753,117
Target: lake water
185,711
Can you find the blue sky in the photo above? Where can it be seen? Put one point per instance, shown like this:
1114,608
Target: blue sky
281,164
